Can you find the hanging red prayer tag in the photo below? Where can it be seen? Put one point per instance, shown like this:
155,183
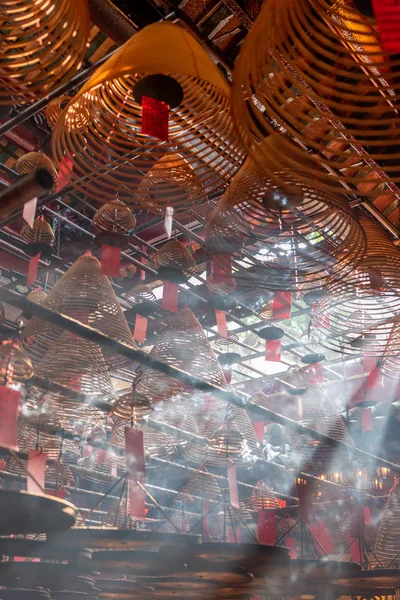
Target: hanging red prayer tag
110,260
136,472
273,350
282,305
9,407
64,173
259,430
387,13
227,370
33,269
316,373
266,527
28,213
366,419
232,484
170,296
139,333
282,503
321,534
36,470
220,317
367,515
155,118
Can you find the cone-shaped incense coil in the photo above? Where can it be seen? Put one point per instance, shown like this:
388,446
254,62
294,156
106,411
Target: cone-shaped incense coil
30,162
304,238
358,312
55,108
42,46
133,407
174,255
15,366
40,233
113,138
387,544
241,515
262,498
171,182
202,484
86,295
321,414
286,523
74,417
303,64
140,294
177,412
37,296
114,217
77,364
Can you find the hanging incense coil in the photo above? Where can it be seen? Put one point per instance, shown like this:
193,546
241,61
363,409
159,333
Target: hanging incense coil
41,234
222,342
262,498
57,412
32,161
77,364
287,522
83,294
140,294
177,413
358,313
317,71
302,239
112,153
387,543
173,255
133,407
54,109
171,181
227,442
37,296
113,219
42,46
240,516
15,366
266,312
202,484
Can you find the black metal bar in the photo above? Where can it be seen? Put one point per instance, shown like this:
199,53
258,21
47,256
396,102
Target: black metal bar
143,358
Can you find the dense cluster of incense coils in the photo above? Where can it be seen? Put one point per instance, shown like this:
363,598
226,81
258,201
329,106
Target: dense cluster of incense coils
287,149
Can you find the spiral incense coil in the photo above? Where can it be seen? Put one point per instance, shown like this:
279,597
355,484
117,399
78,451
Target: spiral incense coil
358,313
173,182
133,407
387,543
286,240
40,233
202,484
240,516
114,217
174,255
83,294
266,312
222,342
112,153
177,412
32,161
57,412
287,522
77,364
140,294
42,46
318,71
262,498
225,443
15,366
55,108
37,296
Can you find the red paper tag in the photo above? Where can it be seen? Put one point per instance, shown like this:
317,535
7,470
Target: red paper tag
387,13
110,261
366,419
155,116
321,534
259,430
57,493
304,493
36,468
9,407
273,350
221,268
266,527
33,269
356,551
232,484
316,373
64,173
221,323
282,503
136,472
227,370
374,379
170,296
291,544
29,211
139,333
282,305
367,515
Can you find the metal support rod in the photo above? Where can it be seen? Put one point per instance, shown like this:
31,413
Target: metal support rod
143,358
24,189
